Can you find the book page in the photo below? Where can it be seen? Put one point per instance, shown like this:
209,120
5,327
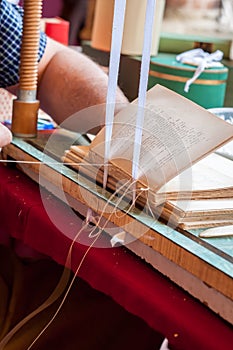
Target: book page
203,207
176,134
210,173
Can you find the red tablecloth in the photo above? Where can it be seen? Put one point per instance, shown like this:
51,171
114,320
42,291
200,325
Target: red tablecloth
116,272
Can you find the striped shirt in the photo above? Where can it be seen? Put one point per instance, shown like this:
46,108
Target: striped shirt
11,26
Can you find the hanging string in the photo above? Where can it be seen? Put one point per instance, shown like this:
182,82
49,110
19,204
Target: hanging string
70,284
113,195
145,65
117,35
64,280
13,161
96,220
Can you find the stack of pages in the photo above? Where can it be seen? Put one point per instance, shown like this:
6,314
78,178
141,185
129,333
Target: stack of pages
181,178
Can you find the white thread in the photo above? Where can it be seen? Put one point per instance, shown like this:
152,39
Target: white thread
117,35
89,215
105,206
50,163
68,289
121,198
62,284
90,218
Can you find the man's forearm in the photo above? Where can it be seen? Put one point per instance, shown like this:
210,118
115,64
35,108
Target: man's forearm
69,82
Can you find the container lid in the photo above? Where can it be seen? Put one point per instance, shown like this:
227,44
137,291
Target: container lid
165,62
169,60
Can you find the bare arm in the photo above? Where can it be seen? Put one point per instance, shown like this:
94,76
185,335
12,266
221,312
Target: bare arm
69,82
5,136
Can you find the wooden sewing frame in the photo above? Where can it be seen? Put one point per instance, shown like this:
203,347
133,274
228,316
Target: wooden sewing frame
201,267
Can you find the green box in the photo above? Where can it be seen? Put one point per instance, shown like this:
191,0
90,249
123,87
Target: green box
129,73
177,43
208,90
229,90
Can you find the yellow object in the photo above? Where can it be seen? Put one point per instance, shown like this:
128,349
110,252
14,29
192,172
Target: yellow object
133,29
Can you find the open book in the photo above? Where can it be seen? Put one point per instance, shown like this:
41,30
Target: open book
176,159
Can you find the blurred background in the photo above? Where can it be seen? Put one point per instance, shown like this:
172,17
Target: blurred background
214,17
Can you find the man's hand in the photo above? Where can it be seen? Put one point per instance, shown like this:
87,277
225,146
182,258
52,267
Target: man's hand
5,135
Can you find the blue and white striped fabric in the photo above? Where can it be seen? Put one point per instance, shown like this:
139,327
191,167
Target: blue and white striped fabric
11,26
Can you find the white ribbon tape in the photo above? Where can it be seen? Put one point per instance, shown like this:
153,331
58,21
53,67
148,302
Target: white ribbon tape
117,36
145,66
